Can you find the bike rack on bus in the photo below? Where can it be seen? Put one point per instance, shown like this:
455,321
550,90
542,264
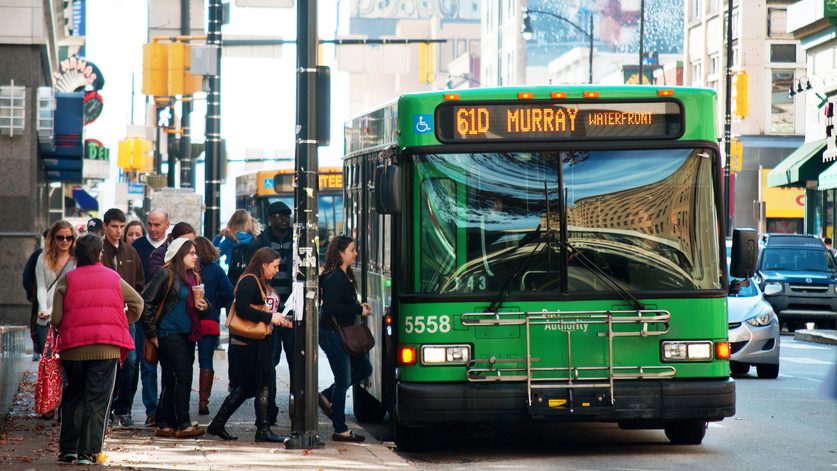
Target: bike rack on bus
651,322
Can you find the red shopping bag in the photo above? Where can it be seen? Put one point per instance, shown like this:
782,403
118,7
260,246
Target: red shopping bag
49,387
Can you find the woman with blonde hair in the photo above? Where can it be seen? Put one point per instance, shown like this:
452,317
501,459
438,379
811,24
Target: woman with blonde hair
233,240
55,261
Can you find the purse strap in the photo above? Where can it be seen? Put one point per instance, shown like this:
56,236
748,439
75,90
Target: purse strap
49,345
261,291
165,294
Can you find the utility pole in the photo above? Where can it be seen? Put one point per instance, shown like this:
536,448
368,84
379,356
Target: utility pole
641,40
186,171
304,430
728,122
212,214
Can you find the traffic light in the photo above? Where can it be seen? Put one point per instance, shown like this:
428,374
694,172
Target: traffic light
181,81
155,69
427,63
736,156
742,94
135,155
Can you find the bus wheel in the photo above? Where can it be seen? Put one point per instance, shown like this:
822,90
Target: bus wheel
686,432
407,439
366,407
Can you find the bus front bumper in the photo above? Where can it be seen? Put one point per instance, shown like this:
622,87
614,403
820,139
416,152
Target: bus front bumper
642,401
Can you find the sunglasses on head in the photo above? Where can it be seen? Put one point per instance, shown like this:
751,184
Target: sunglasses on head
64,238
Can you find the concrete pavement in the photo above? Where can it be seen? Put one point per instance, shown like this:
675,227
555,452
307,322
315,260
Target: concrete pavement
28,442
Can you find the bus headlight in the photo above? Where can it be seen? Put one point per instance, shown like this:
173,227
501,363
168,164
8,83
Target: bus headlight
445,354
699,350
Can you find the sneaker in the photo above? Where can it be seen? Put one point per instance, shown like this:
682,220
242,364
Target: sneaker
150,421
125,419
67,457
36,356
86,460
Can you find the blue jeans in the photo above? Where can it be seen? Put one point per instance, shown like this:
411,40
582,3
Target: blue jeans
348,371
123,398
148,373
206,349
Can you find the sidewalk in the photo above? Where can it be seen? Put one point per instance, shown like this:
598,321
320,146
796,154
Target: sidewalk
817,336
30,443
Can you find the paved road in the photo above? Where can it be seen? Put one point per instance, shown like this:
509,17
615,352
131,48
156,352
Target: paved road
780,424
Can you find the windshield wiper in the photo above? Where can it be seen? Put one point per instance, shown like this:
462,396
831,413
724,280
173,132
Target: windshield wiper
510,281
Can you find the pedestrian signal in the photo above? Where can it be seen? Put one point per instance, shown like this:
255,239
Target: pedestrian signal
742,94
427,63
736,155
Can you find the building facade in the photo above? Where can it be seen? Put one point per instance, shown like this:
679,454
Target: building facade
34,35
774,127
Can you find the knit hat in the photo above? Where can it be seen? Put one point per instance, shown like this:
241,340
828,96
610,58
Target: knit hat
278,207
174,247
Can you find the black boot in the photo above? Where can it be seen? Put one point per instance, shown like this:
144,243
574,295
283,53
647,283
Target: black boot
230,405
263,432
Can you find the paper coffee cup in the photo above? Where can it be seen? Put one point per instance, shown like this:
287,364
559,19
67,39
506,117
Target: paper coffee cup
197,292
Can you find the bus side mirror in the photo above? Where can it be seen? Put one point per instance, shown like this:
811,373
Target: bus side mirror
387,189
744,253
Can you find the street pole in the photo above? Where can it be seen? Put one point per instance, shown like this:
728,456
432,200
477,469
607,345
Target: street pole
641,39
590,65
728,122
212,214
186,171
304,394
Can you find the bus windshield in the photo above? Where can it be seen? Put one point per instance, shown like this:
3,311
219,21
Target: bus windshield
489,222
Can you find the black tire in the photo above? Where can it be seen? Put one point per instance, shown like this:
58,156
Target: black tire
366,407
686,432
739,368
768,371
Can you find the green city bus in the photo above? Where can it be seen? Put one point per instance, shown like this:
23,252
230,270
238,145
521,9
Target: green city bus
546,253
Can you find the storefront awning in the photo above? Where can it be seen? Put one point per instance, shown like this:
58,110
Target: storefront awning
828,179
803,164
85,200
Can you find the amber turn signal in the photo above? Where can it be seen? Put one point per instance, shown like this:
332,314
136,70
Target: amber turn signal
407,355
722,350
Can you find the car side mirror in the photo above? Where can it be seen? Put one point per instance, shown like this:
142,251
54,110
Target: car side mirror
744,253
772,289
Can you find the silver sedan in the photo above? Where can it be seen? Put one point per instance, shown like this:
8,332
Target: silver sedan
753,332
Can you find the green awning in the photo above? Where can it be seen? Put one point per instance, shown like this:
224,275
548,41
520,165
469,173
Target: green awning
803,164
828,179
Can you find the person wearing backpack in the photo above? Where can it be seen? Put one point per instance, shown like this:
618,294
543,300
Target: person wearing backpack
234,240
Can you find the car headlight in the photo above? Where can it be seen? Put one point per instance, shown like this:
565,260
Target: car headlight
761,320
775,285
445,354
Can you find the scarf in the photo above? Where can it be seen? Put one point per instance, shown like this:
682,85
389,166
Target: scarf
193,279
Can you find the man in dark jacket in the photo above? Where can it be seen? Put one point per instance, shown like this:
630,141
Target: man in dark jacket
279,238
122,258
157,225
29,285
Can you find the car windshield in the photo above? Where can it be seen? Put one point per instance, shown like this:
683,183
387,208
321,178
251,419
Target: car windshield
797,259
492,221
748,288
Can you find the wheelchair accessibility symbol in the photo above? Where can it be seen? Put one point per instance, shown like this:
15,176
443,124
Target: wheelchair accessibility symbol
423,123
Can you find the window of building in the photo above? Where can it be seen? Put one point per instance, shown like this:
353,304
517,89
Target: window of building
713,6
697,74
781,105
777,22
783,53
697,10
735,24
714,64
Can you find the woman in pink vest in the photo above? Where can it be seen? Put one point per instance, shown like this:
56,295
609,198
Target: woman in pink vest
89,312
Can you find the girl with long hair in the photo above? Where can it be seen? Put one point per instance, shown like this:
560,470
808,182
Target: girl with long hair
174,334
56,260
339,304
255,356
219,293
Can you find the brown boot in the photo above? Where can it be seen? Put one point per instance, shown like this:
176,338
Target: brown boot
206,377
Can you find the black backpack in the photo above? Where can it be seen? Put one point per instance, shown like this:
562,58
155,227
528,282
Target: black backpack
238,262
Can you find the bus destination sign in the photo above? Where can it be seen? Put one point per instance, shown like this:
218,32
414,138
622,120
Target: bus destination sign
558,120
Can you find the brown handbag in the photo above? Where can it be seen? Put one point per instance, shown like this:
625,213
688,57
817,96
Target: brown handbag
357,339
242,327
149,353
